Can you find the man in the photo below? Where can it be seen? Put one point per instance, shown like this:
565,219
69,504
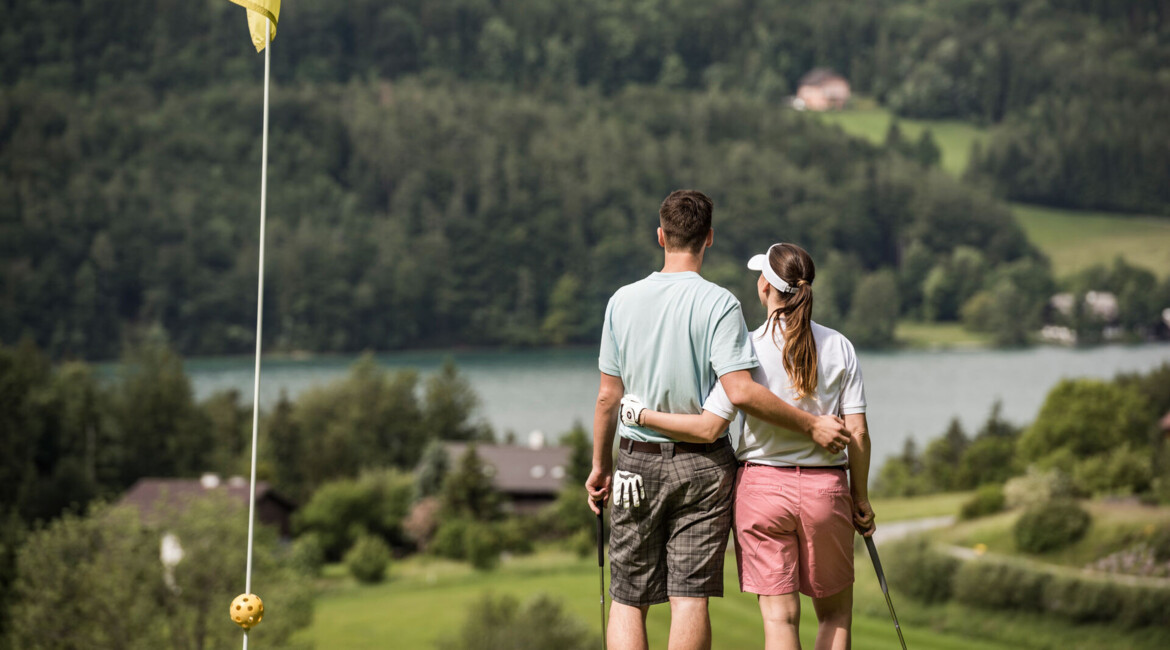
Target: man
667,339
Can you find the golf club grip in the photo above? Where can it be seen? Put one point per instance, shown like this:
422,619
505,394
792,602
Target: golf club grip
600,533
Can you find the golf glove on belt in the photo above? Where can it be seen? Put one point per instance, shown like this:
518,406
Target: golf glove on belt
631,410
627,489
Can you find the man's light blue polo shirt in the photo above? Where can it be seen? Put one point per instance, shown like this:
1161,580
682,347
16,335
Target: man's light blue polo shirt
670,337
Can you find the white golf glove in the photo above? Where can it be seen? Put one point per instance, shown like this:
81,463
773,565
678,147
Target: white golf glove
631,410
627,489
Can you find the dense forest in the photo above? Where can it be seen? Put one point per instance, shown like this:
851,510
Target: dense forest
469,172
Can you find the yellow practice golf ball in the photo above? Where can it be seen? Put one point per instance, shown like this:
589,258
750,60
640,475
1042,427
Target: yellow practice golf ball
247,610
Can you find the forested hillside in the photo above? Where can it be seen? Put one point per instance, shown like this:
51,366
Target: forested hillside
468,172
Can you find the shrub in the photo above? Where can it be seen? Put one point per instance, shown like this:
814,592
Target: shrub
483,545
987,500
375,503
308,554
449,538
1000,585
1122,471
501,624
1051,526
1160,543
918,570
368,559
1037,487
1082,600
479,543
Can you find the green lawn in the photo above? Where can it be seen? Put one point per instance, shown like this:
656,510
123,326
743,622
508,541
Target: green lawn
913,334
1073,240
425,600
1115,526
931,505
954,138
1077,240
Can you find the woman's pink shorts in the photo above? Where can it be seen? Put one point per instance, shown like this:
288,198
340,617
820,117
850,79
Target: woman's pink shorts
793,530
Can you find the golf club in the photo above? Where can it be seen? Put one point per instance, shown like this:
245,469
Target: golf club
601,564
881,575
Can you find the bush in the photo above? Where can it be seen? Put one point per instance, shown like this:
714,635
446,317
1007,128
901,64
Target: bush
376,503
368,559
988,500
1037,487
1082,600
449,538
918,570
1050,526
1160,543
308,554
479,543
1122,471
501,624
1000,585
483,546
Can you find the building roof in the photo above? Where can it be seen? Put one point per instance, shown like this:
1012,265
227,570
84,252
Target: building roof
153,497
818,76
519,469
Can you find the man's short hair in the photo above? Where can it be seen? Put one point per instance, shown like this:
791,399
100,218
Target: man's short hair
685,217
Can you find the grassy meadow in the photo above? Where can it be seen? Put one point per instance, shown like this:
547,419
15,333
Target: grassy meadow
1073,240
425,599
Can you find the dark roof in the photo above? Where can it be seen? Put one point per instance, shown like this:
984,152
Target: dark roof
154,496
818,76
518,469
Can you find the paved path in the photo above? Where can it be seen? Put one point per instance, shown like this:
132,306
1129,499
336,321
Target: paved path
895,530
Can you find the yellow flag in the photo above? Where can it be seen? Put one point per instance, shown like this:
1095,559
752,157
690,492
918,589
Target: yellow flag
258,11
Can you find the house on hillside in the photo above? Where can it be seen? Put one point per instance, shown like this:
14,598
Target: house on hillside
529,476
154,497
822,90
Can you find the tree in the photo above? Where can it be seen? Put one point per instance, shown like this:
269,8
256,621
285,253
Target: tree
942,456
1084,417
341,511
102,572
874,314
449,405
469,490
161,432
432,470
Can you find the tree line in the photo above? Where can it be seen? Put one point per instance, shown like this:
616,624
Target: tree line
422,213
1079,84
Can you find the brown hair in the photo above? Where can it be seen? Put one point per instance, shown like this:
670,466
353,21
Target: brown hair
795,267
685,217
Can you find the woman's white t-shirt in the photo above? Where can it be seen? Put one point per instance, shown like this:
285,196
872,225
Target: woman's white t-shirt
839,392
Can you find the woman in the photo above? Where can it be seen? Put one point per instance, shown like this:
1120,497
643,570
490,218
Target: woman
795,512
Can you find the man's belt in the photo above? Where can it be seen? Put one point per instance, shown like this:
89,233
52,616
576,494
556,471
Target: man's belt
627,444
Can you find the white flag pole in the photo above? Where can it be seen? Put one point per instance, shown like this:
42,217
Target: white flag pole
259,312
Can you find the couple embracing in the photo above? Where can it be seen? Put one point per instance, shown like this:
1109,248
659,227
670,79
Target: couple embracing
677,366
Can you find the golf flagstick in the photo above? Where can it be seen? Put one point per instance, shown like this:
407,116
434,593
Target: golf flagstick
881,575
601,564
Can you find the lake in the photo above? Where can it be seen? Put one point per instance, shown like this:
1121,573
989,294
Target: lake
910,393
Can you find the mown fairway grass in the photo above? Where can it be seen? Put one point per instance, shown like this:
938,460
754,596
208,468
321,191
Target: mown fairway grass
1073,240
425,600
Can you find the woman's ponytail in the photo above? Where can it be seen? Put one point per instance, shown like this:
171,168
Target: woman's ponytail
795,267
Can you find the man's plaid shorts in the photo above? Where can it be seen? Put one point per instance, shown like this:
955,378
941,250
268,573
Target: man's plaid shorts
674,543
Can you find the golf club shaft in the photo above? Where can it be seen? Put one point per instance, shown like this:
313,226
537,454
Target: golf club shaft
601,565
881,575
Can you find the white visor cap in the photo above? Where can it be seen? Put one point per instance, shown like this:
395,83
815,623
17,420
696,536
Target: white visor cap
760,263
